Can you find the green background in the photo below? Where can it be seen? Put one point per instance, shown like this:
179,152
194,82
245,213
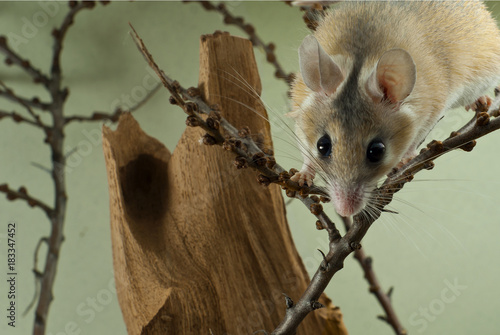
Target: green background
447,230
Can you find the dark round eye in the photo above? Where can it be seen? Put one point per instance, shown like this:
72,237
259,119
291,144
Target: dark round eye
325,146
376,150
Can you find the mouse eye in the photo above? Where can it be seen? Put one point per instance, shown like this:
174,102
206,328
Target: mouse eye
325,146
376,150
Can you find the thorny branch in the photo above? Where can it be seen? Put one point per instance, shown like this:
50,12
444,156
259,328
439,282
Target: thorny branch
249,29
249,154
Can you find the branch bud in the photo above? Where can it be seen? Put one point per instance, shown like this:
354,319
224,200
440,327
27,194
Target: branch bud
172,100
263,180
208,140
468,146
259,159
319,225
244,132
271,162
316,208
212,123
240,162
194,91
482,119
192,121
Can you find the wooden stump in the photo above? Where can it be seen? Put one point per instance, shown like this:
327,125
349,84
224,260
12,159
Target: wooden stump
199,246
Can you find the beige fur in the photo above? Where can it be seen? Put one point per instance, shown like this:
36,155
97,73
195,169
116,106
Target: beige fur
455,47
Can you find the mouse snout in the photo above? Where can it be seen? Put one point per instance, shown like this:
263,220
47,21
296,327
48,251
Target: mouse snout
348,201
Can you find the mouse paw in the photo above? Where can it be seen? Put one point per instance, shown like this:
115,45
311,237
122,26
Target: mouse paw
305,176
482,102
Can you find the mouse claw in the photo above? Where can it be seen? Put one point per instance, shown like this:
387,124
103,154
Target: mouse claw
483,101
304,177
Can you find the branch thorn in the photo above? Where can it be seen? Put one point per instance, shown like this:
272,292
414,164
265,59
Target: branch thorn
316,305
288,301
323,268
355,245
389,292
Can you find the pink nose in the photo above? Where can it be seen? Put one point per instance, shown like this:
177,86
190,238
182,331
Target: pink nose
348,203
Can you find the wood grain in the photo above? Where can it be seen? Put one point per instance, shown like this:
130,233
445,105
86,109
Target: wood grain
198,245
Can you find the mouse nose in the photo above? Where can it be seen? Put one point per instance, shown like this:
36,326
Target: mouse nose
348,202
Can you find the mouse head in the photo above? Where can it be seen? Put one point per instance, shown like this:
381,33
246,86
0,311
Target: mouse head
352,120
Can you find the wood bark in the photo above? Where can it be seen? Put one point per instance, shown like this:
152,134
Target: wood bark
200,247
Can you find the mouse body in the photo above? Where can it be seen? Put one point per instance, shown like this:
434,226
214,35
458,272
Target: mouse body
376,77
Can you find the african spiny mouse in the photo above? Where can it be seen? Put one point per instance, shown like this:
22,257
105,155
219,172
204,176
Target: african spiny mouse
374,80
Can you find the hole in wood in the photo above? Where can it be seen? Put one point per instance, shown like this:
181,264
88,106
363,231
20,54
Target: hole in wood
143,183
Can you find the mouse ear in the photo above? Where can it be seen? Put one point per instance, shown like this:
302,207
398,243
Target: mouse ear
319,71
394,77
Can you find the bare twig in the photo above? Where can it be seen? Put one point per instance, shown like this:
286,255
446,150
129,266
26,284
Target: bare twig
14,58
100,116
34,103
35,116
249,29
44,280
55,138
59,35
22,194
37,273
17,118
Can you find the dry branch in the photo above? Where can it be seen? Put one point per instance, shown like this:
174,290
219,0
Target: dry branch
23,194
55,139
12,58
17,118
115,116
34,102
